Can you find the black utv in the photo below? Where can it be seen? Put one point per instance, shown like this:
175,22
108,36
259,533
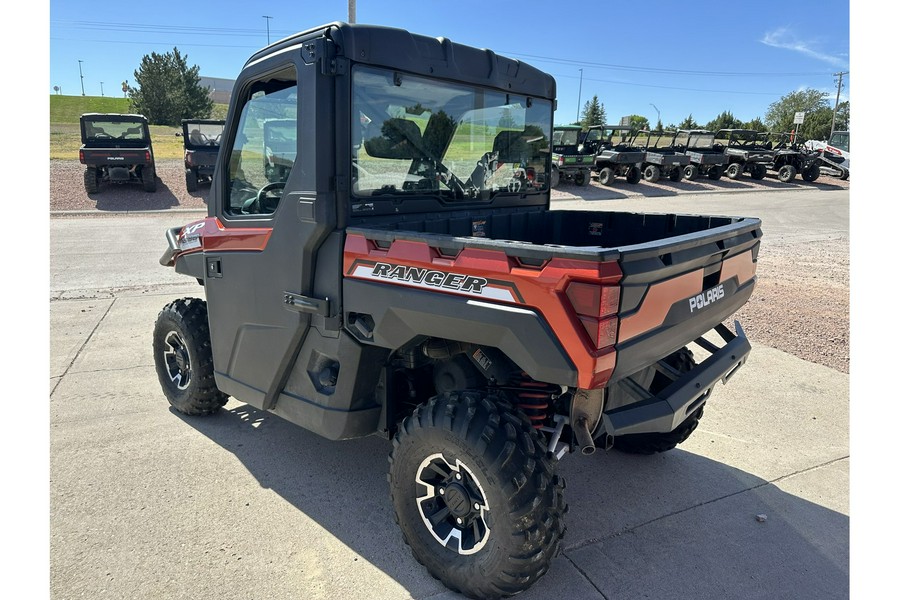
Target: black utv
791,158
706,158
116,148
747,151
662,158
201,148
614,153
570,161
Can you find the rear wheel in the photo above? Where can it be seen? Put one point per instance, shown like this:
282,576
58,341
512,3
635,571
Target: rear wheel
811,174
651,173
580,178
183,356
758,171
845,174
91,180
191,181
606,176
714,173
476,495
787,173
633,175
734,170
676,174
148,179
691,172
651,443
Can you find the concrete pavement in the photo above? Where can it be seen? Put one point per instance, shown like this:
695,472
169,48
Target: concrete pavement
146,503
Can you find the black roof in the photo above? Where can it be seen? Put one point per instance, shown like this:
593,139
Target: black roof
413,53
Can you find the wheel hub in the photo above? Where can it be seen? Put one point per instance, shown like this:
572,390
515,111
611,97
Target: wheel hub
178,360
452,504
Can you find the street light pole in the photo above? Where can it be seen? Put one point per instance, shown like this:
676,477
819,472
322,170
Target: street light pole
267,18
658,119
580,77
351,11
81,75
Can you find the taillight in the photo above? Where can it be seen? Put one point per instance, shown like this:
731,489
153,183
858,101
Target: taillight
147,156
81,156
189,158
562,161
597,307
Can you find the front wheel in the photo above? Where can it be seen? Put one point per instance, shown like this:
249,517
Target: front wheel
757,172
651,173
476,495
787,173
183,356
691,172
714,173
811,174
734,170
606,176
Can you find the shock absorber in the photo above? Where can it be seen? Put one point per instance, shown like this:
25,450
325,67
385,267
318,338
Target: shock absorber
532,397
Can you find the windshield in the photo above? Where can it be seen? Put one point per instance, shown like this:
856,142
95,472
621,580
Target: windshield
413,136
701,140
103,129
565,137
841,141
203,134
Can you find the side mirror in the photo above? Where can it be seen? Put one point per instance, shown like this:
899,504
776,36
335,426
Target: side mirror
177,134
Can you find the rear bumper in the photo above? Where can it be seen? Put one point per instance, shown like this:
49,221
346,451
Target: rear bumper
663,412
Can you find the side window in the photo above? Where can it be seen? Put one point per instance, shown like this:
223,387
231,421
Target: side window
265,146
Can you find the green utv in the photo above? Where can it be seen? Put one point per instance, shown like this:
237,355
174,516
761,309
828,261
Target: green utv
570,161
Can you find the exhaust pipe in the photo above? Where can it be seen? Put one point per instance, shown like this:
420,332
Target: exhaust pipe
583,435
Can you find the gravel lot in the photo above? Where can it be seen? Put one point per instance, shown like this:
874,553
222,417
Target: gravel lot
801,305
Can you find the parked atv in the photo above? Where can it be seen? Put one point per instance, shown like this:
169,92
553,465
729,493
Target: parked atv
792,158
116,148
570,161
746,152
706,158
614,153
662,158
201,148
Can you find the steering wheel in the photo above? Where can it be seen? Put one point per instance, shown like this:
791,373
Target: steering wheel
103,136
252,206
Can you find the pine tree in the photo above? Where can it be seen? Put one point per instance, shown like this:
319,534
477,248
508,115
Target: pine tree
167,90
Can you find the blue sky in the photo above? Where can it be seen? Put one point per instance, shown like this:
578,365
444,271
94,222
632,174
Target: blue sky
638,58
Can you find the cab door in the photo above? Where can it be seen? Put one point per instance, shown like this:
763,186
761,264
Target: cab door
271,222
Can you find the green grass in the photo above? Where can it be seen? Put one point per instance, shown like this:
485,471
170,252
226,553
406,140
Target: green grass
65,136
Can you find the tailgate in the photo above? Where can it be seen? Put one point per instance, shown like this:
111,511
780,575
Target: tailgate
673,293
112,156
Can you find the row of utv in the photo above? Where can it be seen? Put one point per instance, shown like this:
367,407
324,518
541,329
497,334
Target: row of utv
606,152
116,149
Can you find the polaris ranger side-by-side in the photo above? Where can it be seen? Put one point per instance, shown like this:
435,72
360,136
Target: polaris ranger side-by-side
116,148
201,148
615,154
706,158
661,157
405,276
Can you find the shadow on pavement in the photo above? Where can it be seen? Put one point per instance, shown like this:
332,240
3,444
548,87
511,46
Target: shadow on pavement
630,527
132,197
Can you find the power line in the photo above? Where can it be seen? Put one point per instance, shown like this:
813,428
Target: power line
668,87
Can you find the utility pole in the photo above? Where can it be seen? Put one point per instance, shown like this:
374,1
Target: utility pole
101,89
840,77
267,18
578,113
351,11
81,75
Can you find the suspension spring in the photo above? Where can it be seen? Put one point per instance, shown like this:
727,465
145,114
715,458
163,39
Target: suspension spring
532,397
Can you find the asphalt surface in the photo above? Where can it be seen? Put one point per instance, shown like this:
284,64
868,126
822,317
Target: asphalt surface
147,503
